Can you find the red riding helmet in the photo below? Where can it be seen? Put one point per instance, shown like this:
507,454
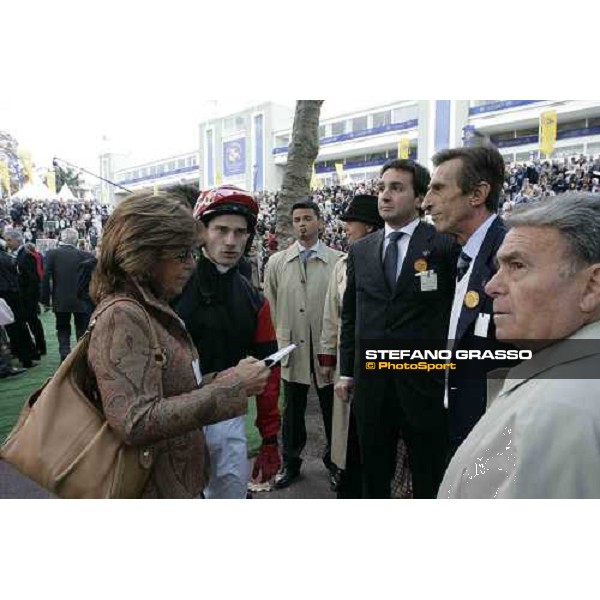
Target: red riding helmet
226,200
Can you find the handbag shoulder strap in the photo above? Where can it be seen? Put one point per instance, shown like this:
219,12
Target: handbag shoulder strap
158,352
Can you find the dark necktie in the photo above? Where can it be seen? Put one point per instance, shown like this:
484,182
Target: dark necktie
464,260
390,261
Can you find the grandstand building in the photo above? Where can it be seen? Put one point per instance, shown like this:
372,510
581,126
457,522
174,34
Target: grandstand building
238,148
249,148
363,141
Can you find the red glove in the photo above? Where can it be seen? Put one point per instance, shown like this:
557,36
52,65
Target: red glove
267,463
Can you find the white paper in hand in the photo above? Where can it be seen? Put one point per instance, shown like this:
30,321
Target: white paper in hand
274,358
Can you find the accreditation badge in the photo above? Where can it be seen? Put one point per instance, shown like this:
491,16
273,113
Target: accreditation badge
429,282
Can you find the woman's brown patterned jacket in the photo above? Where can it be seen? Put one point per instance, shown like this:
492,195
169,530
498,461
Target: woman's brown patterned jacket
127,374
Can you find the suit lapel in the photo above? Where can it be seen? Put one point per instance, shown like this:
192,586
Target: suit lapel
373,254
483,270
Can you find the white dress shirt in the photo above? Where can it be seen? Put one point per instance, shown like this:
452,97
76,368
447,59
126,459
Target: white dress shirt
403,242
471,249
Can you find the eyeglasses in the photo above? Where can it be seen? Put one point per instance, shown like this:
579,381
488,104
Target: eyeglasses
184,256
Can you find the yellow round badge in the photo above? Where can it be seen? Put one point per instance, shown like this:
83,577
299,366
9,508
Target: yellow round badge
471,299
420,265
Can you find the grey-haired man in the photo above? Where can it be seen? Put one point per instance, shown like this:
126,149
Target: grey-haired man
541,435
59,286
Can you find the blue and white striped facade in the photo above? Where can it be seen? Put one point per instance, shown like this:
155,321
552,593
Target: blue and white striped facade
512,125
249,148
238,148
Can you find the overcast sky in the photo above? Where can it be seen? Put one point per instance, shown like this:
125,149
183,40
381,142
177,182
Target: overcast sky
73,128
142,74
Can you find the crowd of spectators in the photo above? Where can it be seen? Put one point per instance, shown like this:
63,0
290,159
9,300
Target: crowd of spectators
46,219
333,202
524,182
536,179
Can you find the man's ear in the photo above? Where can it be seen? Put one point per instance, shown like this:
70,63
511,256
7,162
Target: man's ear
480,193
590,300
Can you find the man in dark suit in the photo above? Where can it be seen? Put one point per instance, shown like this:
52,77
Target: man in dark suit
60,283
463,200
28,298
400,287
29,289
20,340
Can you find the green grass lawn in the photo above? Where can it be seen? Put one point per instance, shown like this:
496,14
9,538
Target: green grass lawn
14,391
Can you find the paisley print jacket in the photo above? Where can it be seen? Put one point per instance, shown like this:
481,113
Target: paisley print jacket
128,378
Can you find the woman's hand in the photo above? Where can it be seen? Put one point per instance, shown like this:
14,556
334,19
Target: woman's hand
254,374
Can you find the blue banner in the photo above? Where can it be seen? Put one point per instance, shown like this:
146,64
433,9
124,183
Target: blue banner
469,136
162,175
234,157
361,163
210,163
442,124
500,105
533,139
413,123
259,165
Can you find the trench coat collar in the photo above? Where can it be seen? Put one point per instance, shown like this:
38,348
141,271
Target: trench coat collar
322,254
561,352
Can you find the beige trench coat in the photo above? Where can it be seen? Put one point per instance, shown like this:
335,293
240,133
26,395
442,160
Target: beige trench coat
330,340
297,298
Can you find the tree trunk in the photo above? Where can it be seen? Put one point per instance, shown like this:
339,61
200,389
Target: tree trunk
302,152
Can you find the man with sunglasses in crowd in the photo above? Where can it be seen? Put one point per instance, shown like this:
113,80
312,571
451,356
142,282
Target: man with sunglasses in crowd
229,319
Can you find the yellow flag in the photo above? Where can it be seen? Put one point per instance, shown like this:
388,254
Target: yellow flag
51,181
339,167
27,166
219,178
404,148
5,177
315,182
548,123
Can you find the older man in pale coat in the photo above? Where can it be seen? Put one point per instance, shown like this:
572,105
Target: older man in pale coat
296,283
540,438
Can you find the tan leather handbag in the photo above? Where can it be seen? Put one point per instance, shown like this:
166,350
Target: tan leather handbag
62,440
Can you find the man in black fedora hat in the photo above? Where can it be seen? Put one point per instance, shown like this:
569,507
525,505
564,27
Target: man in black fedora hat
360,219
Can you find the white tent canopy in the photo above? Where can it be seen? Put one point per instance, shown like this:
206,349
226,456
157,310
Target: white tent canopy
66,193
34,191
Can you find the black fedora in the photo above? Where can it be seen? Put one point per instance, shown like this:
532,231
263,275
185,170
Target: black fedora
363,208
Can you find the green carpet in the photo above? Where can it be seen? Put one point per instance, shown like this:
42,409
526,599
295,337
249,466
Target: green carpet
14,391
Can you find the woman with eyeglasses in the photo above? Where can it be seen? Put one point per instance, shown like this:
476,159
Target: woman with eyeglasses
158,397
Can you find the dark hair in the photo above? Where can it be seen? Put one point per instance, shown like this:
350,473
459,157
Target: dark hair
307,204
420,175
186,192
482,163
